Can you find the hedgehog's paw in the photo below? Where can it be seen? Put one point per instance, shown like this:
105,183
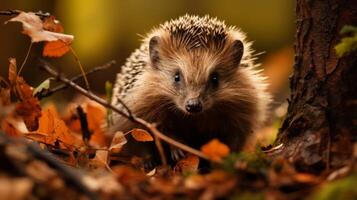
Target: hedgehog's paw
176,154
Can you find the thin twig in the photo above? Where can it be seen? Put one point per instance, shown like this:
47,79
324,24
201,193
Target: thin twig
25,59
151,127
75,78
80,67
161,150
16,12
86,133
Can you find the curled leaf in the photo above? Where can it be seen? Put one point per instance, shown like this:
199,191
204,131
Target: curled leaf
141,135
33,26
118,142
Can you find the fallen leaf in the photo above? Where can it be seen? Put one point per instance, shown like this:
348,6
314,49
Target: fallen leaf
215,150
95,118
33,27
187,164
52,130
30,111
141,135
118,142
99,161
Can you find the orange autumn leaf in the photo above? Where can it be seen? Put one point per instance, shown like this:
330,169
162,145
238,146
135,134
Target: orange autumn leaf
141,135
95,117
187,164
33,27
30,111
52,130
56,48
215,150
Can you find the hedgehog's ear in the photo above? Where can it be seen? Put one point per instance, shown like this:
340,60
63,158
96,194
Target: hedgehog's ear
154,50
236,50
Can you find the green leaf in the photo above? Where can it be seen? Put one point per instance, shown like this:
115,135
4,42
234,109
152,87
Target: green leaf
109,94
347,44
45,85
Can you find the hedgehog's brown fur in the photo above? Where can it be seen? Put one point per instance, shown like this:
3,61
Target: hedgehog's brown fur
196,46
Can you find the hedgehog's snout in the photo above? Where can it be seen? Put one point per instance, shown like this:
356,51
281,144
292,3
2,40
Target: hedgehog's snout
193,105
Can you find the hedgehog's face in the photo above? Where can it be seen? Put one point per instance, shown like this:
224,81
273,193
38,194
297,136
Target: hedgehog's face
193,78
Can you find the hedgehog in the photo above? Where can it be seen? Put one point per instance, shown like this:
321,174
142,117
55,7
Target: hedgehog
196,79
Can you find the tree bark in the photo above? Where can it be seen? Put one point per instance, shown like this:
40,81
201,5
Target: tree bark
321,125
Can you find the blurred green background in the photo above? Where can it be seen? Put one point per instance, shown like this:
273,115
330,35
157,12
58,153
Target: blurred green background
106,30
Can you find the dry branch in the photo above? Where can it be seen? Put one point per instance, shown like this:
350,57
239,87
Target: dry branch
76,78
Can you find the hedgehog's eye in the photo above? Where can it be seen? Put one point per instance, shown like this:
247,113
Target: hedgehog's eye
214,79
177,77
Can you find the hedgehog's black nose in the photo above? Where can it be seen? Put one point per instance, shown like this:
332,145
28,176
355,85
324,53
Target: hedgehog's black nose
193,106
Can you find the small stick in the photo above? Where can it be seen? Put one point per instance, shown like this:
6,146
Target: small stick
86,133
151,127
161,150
75,78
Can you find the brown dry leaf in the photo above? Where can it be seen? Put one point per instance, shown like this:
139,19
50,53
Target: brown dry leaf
118,142
50,23
215,150
187,164
100,161
29,107
5,96
30,111
141,135
52,129
33,27
12,71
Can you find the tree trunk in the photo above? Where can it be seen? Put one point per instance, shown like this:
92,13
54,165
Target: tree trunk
321,125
